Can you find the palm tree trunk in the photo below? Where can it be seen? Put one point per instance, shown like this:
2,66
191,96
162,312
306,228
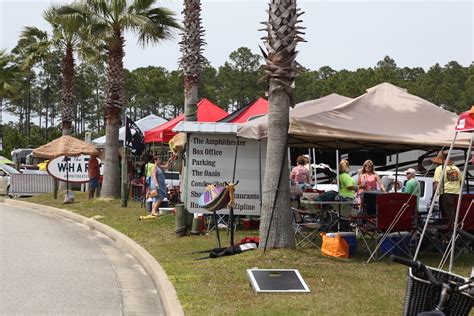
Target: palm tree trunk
190,98
276,178
67,99
192,59
282,36
115,101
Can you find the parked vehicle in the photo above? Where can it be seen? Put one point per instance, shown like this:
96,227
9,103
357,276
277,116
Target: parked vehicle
172,179
387,177
426,186
5,179
19,155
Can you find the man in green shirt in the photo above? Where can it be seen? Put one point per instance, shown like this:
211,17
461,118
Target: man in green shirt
412,186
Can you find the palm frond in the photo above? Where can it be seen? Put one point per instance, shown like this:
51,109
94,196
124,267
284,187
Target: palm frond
155,25
72,8
99,30
33,32
140,6
118,9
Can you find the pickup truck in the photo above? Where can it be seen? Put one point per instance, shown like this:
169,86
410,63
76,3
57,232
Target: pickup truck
426,187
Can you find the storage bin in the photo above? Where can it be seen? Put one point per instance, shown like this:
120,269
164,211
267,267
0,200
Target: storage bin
388,245
351,240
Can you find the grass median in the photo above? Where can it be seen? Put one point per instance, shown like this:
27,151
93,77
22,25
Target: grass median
220,286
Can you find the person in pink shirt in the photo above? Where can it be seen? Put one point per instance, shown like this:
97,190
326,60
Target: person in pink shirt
300,175
368,179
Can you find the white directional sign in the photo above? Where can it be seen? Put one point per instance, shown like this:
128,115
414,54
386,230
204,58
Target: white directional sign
74,169
211,160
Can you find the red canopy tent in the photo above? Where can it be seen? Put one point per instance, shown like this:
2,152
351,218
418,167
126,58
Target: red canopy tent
466,121
249,112
206,112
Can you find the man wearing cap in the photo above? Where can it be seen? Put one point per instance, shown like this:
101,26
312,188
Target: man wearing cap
449,192
412,186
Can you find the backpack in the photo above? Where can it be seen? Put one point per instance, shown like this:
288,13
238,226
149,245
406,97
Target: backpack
452,175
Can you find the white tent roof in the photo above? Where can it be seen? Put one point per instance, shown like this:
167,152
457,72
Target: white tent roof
145,124
385,117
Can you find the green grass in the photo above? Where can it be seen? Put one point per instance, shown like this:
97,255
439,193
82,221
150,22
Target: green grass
220,286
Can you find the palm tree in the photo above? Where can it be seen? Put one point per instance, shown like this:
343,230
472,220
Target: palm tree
29,51
68,36
282,36
9,73
192,60
109,19
9,77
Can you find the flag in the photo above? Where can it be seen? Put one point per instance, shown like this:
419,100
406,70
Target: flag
134,138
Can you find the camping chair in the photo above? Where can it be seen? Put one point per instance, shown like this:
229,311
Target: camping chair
466,223
391,227
307,227
441,234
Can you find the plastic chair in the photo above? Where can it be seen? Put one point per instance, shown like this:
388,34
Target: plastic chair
395,215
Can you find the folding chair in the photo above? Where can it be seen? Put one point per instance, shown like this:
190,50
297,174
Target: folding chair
441,236
307,227
395,213
466,221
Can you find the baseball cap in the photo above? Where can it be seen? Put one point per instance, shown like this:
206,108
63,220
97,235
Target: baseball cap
410,170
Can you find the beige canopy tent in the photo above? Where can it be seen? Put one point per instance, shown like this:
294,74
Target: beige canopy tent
386,117
258,128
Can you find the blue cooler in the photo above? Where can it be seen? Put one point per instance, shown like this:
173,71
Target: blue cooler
388,245
351,240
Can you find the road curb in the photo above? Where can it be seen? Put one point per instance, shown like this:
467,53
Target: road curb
167,292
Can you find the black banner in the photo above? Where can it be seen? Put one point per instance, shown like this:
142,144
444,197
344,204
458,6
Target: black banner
134,138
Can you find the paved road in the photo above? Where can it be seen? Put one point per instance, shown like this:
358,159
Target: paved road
51,265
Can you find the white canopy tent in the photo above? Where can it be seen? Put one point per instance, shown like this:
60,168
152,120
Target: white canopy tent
145,124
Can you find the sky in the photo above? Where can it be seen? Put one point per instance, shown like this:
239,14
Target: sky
347,34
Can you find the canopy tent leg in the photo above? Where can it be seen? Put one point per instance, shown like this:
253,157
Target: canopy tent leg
217,229
466,178
337,169
231,207
436,193
456,218
314,171
396,172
